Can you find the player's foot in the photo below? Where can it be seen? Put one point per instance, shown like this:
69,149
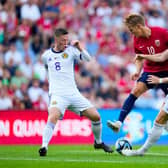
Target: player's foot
128,152
115,126
103,146
43,151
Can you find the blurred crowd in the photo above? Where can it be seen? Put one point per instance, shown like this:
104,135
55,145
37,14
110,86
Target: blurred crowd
27,29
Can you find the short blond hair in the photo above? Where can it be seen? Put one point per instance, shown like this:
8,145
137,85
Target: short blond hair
134,19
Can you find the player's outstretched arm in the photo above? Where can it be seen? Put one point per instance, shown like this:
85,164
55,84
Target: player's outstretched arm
85,55
161,57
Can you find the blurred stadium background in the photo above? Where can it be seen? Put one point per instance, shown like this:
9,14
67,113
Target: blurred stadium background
27,29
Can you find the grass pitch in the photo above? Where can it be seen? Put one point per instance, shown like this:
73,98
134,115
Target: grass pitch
79,157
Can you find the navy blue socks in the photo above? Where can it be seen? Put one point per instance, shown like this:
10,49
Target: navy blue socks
127,106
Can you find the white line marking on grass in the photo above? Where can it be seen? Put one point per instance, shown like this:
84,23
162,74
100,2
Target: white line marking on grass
100,151
157,154
81,151
85,160
60,160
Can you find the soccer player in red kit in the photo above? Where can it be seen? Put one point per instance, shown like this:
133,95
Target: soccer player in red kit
147,40
161,121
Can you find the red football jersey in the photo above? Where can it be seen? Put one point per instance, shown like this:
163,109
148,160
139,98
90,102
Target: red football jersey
156,43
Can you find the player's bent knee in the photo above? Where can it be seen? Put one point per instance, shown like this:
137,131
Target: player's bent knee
93,115
162,118
96,117
136,92
139,89
54,115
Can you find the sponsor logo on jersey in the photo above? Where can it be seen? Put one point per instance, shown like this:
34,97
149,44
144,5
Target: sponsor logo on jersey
49,59
64,55
157,43
141,46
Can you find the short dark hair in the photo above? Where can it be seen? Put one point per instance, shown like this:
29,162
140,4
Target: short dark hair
60,31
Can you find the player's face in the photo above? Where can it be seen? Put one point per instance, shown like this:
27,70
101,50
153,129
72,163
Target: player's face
136,30
62,42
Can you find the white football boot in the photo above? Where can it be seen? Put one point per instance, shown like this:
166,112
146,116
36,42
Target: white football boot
115,126
128,152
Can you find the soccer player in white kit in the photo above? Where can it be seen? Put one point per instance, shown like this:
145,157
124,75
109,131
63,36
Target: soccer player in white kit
161,121
63,92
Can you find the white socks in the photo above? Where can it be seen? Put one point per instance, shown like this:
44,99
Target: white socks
49,128
97,131
166,126
153,136
47,134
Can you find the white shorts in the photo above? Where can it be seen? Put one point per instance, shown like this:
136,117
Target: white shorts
76,103
165,106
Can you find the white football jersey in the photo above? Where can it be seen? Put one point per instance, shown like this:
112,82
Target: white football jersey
61,70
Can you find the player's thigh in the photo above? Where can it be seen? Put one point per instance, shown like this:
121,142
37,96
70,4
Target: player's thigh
142,84
139,89
58,104
79,104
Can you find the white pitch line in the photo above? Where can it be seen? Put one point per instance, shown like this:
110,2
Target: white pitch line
157,154
82,160
93,152
57,160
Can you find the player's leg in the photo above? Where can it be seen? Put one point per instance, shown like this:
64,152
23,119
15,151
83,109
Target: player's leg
55,111
93,115
54,115
96,123
83,107
137,91
153,136
157,129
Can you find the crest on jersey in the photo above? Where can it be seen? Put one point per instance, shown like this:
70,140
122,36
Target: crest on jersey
157,43
64,55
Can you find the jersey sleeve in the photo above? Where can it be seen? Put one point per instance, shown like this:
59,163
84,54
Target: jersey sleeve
44,58
76,53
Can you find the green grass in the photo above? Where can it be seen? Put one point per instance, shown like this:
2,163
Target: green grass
79,157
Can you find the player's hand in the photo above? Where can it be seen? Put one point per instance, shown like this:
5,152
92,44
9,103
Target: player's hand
77,44
153,79
135,76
